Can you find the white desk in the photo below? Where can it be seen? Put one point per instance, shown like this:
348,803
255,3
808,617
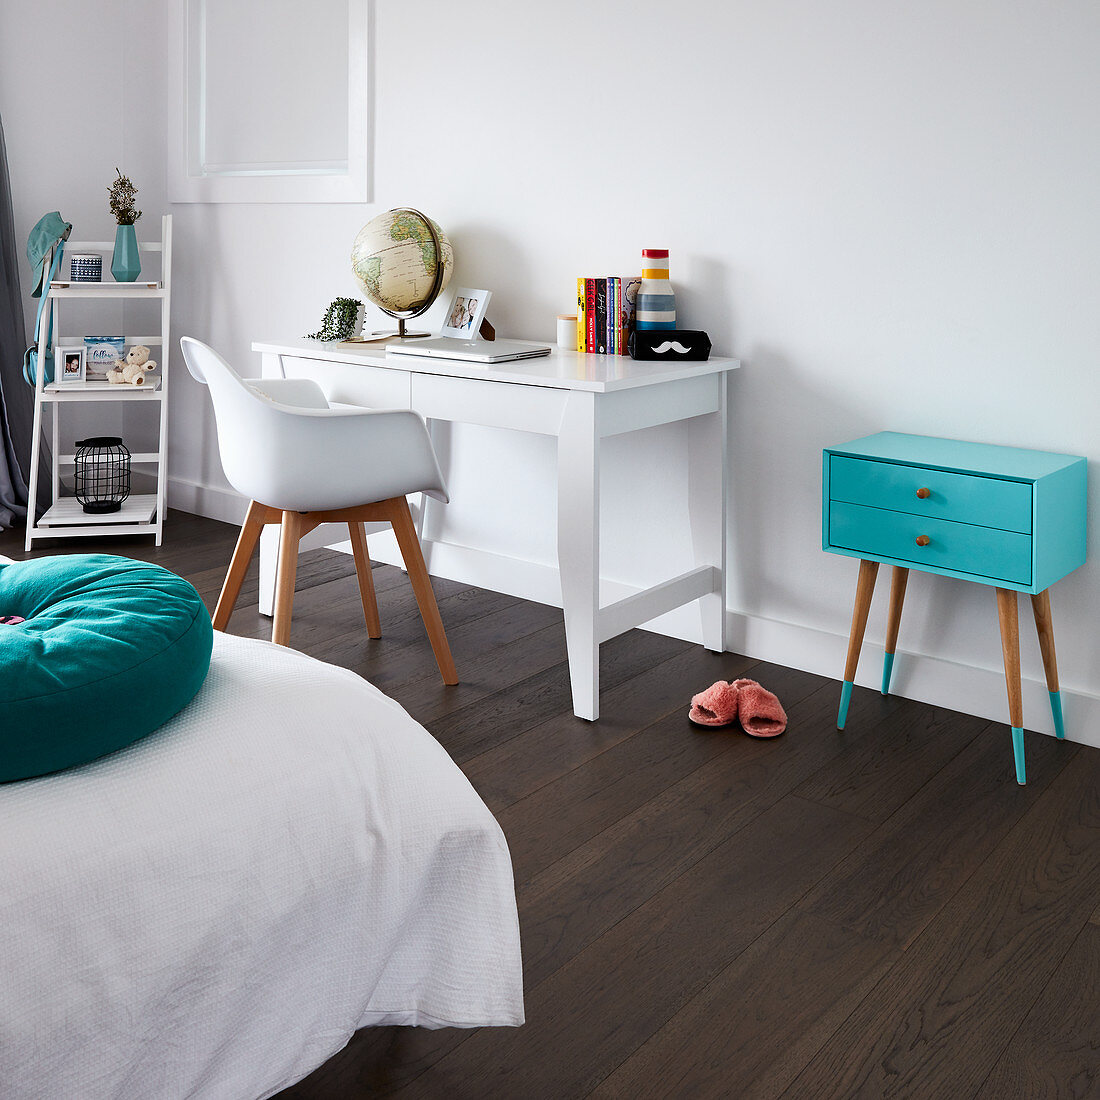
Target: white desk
581,400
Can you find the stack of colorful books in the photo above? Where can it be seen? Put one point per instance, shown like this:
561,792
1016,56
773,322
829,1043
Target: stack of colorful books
605,313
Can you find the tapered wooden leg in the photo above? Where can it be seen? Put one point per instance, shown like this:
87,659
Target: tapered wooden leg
865,589
238,566
422,586
1044,627
1010,646
898,580
288,571
366,581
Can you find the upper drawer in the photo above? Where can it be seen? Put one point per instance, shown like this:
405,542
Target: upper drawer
354,383
963,498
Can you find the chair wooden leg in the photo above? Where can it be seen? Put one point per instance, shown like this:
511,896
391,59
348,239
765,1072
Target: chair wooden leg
865,589
366,581
898,580
293,523
1008,615
413,556
1044,626
238,565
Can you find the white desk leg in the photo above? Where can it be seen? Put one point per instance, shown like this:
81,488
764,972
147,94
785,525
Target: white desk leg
440,435
707,479
579,547
271,366
269,563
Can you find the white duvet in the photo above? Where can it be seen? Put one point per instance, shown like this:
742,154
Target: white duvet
213,911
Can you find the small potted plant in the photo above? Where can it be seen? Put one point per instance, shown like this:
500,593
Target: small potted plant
126,261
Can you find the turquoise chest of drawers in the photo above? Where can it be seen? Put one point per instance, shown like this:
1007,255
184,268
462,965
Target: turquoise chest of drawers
1010,518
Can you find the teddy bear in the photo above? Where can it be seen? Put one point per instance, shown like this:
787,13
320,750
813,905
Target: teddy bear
134,367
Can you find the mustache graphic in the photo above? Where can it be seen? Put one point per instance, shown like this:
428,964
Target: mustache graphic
671,345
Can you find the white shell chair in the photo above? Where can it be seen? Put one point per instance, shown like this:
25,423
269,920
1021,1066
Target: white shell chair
301,464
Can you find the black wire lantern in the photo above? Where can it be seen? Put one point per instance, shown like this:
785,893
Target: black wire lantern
102,473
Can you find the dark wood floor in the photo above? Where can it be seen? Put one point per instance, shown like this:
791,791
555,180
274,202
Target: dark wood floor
878,912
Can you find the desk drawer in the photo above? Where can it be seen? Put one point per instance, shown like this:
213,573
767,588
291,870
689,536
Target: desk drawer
354,383
963,498
987,553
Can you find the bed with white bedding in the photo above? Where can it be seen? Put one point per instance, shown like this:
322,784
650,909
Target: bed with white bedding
213,911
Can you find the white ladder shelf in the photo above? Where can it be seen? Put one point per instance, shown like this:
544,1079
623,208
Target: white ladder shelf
141,514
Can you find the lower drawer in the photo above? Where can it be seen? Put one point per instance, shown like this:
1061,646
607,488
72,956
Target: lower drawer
984,552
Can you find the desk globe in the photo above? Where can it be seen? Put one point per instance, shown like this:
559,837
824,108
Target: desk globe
402,260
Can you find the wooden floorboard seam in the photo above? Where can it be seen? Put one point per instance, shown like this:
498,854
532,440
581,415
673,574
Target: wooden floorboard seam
733,961
662,716
637,811
1010,1040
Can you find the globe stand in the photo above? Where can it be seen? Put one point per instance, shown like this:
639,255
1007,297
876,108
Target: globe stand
401,332
433,293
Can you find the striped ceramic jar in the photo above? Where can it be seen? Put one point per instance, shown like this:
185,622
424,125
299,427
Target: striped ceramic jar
656,308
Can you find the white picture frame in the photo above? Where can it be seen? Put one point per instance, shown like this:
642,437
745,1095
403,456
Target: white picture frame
70,364
466,311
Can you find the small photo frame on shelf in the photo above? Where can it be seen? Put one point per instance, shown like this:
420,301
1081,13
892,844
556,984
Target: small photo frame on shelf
71,364
465,313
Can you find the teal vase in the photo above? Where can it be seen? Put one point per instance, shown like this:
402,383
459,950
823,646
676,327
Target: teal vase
126,261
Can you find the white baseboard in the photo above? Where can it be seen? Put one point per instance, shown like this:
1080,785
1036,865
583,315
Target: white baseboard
919,676
925,678
206,500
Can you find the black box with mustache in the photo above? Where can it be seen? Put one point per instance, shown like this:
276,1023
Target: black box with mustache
669,345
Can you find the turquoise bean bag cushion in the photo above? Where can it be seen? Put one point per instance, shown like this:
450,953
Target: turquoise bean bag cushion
109,650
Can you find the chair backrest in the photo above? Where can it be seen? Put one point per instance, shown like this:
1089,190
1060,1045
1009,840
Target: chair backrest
248,422
282,445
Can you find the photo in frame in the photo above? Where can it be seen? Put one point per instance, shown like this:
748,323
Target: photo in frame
465,313
71,364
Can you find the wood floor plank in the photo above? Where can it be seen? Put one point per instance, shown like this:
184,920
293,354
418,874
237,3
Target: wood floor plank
518,767
557,818
759,1022
895,884
488,672
493,651
873,776
573,902
1055,1052
377,1062
610,999
521,706
946,1013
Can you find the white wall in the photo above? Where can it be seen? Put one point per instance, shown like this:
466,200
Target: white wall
72,113
886,210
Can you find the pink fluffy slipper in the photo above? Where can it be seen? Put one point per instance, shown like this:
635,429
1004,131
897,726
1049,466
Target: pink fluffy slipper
717,706
759,710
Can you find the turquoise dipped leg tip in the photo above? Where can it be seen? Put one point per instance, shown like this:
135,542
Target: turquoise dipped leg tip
887,669
1056,710
845,699
1018,753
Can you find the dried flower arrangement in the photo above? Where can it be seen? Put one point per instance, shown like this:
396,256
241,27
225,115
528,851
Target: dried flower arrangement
122,193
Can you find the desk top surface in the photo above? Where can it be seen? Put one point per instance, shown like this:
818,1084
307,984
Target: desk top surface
561,369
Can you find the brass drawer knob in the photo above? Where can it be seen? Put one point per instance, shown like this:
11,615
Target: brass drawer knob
924,493
923,540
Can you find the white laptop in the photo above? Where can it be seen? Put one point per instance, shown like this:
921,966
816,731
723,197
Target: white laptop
472,351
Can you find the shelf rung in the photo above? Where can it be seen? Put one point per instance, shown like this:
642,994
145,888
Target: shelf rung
83,531
145,456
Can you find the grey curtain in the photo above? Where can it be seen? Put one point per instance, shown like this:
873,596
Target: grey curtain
16,398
